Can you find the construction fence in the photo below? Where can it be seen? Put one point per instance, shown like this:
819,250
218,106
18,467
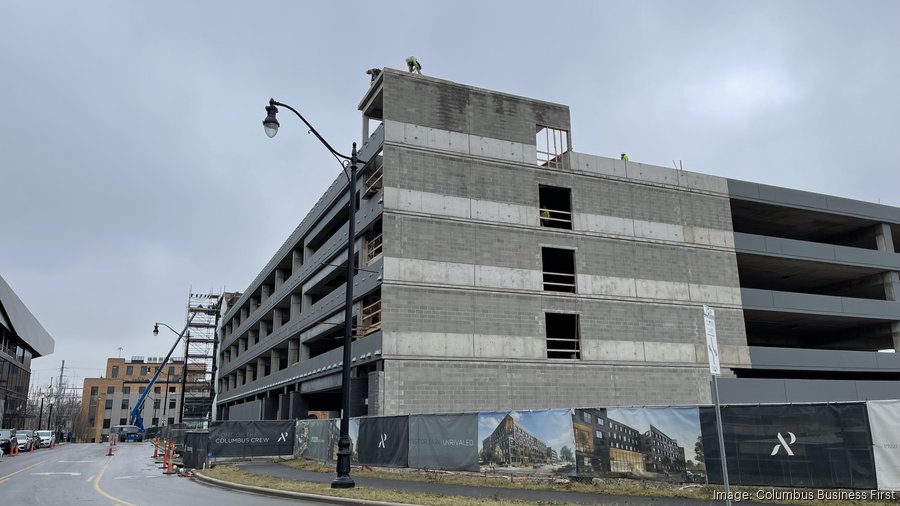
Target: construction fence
829,445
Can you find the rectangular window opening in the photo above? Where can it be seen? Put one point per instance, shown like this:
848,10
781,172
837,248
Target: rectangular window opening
373,176
371,314
552,146
555,207
563,336
373,243
559,269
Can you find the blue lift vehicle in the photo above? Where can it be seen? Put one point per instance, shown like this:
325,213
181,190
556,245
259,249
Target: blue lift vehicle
136,419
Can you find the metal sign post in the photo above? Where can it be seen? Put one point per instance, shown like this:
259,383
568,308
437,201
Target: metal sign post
712,348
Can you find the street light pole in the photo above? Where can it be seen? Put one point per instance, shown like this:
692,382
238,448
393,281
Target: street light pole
41,414
50,415
271,125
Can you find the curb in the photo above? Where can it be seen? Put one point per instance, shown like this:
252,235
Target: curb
294,495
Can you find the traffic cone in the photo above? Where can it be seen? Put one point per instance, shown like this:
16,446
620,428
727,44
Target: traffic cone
52,442
110,453
31,450
165,461
169,471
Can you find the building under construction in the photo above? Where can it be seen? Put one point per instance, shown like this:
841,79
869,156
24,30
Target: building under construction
198,385
499,269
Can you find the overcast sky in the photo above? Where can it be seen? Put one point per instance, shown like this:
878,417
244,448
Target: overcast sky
133,164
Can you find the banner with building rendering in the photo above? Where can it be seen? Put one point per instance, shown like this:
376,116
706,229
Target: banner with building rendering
659,443
526,441
884,420
317,439
797,445
383,441
251,438
446,442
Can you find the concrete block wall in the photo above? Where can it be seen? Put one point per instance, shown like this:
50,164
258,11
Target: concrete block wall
425,386
462,296
457,108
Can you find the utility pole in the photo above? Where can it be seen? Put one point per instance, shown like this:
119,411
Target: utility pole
60,382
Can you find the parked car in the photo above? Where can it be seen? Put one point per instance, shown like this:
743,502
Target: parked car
46,437
26,440
7,440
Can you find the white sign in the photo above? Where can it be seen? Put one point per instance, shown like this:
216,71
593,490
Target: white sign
712,346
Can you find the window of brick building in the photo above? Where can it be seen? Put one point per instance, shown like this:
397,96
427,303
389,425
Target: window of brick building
106,423
552,147
563,336
555,207
559,269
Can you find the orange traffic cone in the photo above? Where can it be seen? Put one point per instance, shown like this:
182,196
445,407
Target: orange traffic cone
52,442
31,450
171,452
165,461
110,453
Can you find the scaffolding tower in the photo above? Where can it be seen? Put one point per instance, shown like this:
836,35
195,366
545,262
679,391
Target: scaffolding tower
198,380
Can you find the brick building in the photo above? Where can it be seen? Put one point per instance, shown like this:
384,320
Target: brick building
500,269
512,444
107,401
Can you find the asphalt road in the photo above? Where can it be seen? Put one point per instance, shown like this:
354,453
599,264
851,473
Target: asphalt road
83,474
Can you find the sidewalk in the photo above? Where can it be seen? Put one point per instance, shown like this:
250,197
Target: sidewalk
536,496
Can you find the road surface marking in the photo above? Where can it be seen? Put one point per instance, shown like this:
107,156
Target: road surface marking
4,478
138,477
104,494
55,473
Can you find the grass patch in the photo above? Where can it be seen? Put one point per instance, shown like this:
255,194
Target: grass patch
609,486
233,474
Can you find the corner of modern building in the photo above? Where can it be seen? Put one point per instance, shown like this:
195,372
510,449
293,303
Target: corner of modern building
22,338
499,269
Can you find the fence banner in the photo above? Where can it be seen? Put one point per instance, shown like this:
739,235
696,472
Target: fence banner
383,441
443,442
526,441
800,445
251,438
658,443
317,439
884,420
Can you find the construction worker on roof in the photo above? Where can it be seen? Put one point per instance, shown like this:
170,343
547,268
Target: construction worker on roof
414,65
624,157
374,73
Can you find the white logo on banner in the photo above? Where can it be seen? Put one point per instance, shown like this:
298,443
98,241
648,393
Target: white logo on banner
283,438
383,439
784,444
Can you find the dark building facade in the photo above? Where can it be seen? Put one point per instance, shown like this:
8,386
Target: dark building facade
661,453
511,444
22,338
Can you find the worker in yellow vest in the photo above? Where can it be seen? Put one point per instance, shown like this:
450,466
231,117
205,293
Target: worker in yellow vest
414,65
624,157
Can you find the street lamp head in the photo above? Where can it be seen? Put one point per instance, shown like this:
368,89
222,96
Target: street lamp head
270,124
155,329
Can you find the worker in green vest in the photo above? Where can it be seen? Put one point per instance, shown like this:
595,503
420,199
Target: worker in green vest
624,157
414,65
